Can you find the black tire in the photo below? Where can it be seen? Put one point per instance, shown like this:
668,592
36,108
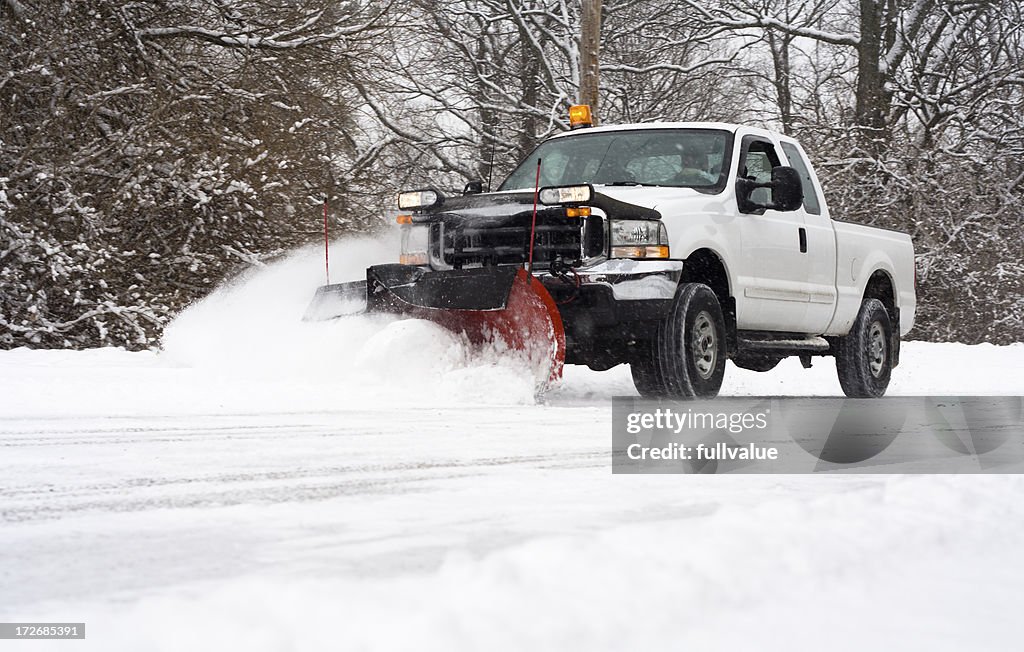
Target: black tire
755,362
645,378
686,358
864,356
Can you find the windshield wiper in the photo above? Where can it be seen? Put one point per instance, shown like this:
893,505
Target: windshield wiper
633,183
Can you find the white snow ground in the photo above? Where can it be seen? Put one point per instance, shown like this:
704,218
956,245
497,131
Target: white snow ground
265,484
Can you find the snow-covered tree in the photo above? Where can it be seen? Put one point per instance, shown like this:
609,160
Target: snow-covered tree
914,112
468,82
149,148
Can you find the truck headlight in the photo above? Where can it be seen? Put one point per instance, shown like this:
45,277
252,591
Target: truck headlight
415,245
639,239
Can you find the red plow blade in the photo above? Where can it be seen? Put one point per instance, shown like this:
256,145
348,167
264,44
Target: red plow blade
500,306
530,324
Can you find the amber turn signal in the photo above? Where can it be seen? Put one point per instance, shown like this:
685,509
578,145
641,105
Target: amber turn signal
650,251
418,258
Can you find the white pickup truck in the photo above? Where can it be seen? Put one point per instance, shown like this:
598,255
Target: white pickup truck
749,277
671,247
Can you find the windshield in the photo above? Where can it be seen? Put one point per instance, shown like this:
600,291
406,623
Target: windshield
683,158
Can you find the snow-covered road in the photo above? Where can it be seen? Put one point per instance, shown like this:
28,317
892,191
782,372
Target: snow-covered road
263,485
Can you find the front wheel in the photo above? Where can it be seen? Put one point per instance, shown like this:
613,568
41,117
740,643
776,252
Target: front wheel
864,356
686,357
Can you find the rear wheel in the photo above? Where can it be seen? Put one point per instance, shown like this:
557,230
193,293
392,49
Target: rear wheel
864,356
686,357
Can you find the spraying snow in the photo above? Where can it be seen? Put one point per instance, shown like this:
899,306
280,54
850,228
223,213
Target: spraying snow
252,326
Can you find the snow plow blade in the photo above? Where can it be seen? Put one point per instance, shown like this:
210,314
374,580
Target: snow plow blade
337,300
499,305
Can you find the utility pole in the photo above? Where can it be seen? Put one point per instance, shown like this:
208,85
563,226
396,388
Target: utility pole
590,44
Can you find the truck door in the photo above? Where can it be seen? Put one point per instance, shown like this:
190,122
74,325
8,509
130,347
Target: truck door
820,244
773,271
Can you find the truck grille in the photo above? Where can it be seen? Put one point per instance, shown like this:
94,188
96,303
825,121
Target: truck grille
466,243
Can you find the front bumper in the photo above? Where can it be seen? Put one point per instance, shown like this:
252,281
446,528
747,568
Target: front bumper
629,280
616,299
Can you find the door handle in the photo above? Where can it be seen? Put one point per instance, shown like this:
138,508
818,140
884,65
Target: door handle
803,240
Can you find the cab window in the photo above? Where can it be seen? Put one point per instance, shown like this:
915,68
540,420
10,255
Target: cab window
811,202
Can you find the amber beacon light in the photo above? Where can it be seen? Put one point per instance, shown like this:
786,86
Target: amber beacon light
580,116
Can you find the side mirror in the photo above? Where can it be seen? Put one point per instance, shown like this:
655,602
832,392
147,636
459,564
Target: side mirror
787,189
473,188
744,188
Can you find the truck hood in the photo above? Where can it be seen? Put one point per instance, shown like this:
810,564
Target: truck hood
653,197
496,208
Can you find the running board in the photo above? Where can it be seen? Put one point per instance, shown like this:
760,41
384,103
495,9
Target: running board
790,345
